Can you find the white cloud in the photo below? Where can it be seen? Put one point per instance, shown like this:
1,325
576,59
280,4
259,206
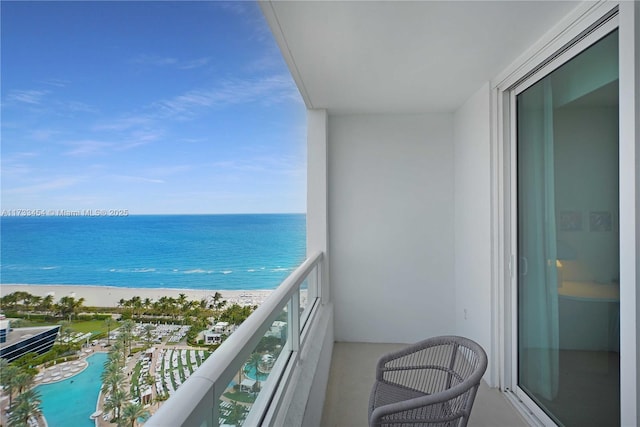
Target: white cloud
75,107
268,89
88,147
167,61
138,138
237,7
33,97
194,63
265,165
91,147
169,170
124,123
56,82
153,60
136,179
48,185
42,134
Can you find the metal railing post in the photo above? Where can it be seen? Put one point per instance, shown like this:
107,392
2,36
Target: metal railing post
294,322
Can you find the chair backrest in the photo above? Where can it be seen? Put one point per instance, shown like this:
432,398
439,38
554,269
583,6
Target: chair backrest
447,370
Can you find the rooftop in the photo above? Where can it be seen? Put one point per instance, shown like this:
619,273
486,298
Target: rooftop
19,334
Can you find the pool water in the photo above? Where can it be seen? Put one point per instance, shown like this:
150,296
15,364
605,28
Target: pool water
250,371
69,403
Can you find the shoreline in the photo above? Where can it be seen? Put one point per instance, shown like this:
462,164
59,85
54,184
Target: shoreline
108,296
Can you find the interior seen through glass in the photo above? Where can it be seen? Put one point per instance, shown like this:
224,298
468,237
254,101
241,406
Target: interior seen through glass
568,239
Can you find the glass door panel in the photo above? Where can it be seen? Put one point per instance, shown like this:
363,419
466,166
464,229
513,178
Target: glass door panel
568,239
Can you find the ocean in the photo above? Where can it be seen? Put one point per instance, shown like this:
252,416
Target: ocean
216,252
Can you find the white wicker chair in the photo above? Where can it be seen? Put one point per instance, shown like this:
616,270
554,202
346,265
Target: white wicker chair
430,383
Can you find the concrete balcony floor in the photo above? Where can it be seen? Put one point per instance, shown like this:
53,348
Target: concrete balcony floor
352,375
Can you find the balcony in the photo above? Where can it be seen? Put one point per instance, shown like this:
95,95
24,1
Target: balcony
409,203
306,370
351,378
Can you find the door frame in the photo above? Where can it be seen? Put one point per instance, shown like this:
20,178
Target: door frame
586,24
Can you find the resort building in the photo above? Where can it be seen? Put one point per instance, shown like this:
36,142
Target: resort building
15,343
4,328
278,329
212,337
222,328
472,170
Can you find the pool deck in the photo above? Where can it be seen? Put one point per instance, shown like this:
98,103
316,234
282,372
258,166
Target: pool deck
61,371
68,369
52,374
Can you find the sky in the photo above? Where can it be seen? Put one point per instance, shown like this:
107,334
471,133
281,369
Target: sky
168,107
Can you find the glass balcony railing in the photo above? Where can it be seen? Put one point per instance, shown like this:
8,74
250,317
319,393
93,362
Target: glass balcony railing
237,383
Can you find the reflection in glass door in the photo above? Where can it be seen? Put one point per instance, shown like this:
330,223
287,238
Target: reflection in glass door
568,281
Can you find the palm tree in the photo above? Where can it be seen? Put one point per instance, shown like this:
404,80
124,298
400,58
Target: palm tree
8,374
253,362
237,414
147,304
218,304
77,305
112,376
115,401
117,351
23,381
148,336
65,305
126,332
3,365
182,298
46,303
65,333
10,300
29,301
136,303
22,296
108,321
173,310
26,405
132,412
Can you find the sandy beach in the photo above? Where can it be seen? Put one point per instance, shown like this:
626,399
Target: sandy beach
108,296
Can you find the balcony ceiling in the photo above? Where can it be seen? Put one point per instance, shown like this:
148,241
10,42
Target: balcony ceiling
403,56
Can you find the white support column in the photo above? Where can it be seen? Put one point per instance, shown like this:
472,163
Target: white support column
317,206
293,328
629,50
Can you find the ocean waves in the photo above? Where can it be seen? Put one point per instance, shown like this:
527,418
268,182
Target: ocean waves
176,251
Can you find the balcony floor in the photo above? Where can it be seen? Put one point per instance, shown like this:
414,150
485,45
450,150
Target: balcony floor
352,375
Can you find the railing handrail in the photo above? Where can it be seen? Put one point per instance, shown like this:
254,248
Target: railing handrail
219,367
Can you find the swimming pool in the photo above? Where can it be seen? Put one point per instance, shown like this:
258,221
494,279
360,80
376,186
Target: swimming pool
250,372
69,403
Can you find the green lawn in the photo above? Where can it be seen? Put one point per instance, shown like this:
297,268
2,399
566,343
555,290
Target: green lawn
241,397
93,326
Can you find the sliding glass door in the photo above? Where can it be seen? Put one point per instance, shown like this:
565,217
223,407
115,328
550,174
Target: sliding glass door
568,353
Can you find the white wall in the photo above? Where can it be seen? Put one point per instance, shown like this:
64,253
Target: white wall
472,220
391,226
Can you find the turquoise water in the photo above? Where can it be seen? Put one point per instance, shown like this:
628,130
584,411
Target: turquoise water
250,371
69,403
153,251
